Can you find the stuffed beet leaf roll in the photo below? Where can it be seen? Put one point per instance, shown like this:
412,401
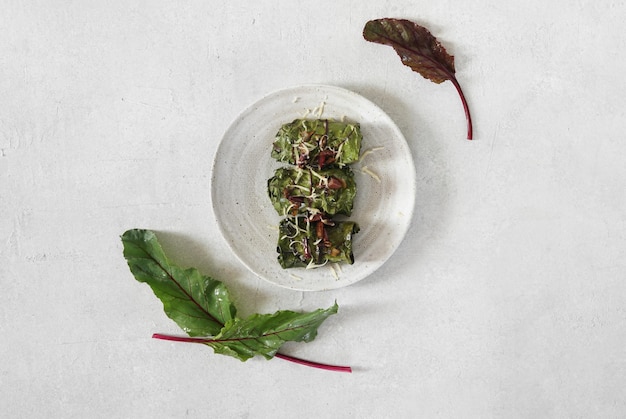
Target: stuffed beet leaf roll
317,143
294,190
310,242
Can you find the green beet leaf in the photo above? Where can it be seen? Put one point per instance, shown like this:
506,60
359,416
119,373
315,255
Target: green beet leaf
198,304
202,307
264,334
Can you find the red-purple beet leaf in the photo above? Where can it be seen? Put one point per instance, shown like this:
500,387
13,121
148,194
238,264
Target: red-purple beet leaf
295,360
419,50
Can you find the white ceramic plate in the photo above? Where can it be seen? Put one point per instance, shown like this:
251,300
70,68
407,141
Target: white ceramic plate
383,209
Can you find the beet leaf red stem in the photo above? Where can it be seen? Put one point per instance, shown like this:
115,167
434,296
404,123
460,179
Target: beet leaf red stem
312,364
465,107
327,367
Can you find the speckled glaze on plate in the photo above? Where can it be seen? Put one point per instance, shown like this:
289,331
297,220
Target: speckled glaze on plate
243,165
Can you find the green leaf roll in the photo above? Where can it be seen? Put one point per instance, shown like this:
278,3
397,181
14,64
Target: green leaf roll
306,243
318,143
293,190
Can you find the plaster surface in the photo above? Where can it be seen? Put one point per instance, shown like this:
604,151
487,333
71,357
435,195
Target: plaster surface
506,298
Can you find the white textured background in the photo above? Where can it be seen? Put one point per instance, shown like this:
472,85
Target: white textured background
507,299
